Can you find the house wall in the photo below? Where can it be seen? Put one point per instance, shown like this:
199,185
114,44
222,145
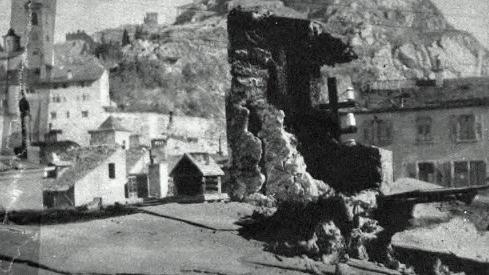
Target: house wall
102,137
158,180
98,184
75,127
407,152
62,199
123,138
21,190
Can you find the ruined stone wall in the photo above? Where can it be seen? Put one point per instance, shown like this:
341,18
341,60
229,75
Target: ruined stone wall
280,144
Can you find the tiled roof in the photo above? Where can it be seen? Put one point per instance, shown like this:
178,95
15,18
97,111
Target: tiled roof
457,92
133,156
88,71
204,163
84,160
112,123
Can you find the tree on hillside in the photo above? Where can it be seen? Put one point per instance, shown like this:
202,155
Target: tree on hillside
125,38
138,34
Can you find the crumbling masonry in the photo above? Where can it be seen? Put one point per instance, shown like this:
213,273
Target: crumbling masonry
280,142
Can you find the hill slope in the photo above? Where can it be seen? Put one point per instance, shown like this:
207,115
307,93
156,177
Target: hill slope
184,67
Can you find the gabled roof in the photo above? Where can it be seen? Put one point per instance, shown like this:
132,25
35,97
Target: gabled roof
111,124
84,161
458,92
203,162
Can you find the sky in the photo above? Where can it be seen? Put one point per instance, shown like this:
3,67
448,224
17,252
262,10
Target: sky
95,15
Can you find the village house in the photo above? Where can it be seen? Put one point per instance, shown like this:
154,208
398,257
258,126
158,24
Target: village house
111,132
97,174
197,175
437,130
73,100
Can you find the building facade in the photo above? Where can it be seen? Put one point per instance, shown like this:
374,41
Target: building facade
96,174
73,100
437,133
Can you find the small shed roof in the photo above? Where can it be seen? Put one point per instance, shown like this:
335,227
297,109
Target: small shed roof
111,124
204,163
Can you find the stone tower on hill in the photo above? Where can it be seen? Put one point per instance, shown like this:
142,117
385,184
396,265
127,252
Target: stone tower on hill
34,21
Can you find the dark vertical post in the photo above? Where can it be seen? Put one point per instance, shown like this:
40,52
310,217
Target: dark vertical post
24,118
333,104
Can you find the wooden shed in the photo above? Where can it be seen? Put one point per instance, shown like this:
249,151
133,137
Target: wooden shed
196,174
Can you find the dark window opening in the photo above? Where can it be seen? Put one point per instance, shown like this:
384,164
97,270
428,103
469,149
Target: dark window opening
461,173
423,129
426,171
34,19
466,127
111,170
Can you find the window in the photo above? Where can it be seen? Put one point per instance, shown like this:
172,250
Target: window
53,115
111,170
34,37
68,114
426,171
377,132
384,132
469,173
47,38
56,98
34,20
461,173
423,129
465,128
85,97
84,113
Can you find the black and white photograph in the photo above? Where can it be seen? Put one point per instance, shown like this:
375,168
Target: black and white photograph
244,137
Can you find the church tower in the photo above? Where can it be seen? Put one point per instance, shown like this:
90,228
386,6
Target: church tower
34,21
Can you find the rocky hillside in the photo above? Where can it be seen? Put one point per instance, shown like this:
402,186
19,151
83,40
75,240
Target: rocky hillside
184,67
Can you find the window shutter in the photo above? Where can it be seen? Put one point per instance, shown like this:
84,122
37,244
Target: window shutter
388,132
411,170
445,174
452,127
478,126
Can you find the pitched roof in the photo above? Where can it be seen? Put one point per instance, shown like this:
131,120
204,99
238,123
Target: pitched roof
133,156
84,160
87,71
459,92
203,162
113,124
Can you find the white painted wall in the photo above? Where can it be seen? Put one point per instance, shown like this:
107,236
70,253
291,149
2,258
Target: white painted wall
98,184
